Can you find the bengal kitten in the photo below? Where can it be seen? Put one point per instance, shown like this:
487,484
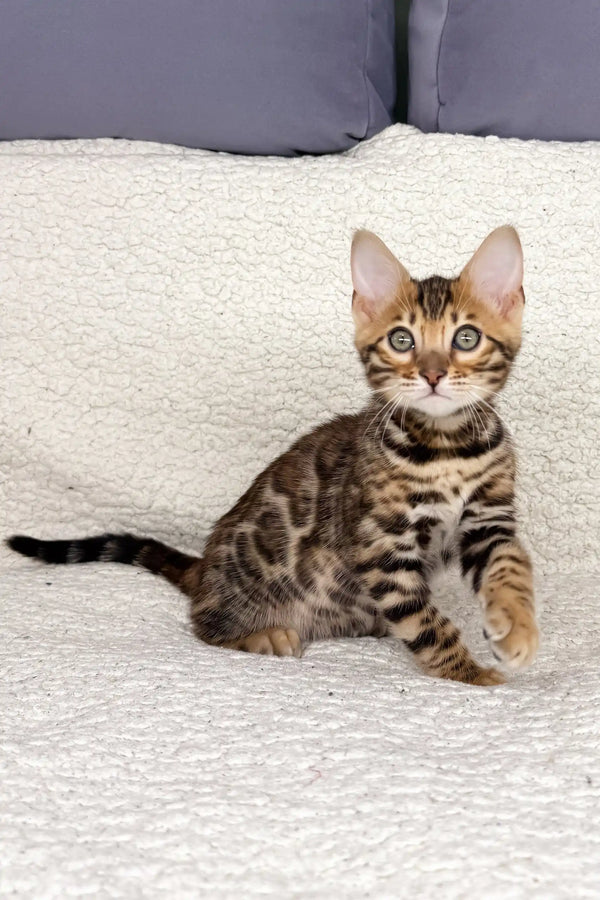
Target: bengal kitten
340,535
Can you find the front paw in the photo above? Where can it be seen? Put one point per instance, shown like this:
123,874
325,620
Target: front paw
512,632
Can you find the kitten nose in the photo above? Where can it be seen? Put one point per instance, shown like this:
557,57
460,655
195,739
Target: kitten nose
433,376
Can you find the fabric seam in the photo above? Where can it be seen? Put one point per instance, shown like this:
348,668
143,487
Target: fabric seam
437,66
365,79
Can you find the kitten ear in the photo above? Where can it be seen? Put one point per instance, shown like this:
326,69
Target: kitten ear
495,271
376,275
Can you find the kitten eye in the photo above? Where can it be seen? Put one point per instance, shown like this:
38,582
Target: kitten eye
466,338
401,340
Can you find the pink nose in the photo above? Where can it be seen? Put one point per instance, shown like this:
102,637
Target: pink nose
433,376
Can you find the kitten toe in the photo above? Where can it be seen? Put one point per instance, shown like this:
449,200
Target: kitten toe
295,642
498,623
512,633
285,643
519,648
272,642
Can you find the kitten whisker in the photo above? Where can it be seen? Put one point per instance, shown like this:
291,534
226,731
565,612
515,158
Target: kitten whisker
496,415
484,432
380,413
389,419
404,297
458,308
469,410
492,408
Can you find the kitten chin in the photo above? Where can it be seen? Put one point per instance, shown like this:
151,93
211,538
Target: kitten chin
438,407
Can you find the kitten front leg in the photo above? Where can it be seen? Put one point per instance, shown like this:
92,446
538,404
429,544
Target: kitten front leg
506,595
502,578
436,644
398,587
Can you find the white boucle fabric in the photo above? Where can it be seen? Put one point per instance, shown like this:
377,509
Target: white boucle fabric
170,321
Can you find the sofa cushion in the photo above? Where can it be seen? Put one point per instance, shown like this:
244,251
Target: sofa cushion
262,77
514,69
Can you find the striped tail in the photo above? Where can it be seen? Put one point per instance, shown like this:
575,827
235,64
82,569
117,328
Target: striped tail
123,548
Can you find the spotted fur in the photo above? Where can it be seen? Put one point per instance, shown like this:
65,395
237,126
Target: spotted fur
340,535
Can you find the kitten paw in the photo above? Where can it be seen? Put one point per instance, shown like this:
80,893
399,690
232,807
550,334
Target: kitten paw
472,673
272,642
488,677
512,633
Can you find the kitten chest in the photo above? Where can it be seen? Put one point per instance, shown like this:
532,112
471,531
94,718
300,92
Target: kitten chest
436,511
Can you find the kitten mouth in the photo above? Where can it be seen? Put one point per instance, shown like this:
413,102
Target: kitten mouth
434,393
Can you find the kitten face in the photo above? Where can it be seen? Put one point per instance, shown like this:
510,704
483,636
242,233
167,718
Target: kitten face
438,345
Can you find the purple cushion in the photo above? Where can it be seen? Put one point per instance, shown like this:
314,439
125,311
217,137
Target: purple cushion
247,76
512,68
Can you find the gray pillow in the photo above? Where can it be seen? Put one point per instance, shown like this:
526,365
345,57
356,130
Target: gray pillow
511,68
247,76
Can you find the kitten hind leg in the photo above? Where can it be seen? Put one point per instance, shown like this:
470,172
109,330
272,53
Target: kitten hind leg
271,642
240,626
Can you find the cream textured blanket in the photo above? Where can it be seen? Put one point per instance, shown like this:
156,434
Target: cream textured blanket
170,321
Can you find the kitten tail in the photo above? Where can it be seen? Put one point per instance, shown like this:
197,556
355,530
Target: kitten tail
180,569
